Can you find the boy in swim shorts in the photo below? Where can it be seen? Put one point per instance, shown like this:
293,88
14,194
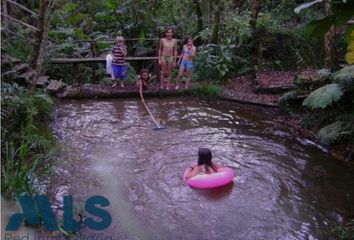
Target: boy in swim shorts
119,69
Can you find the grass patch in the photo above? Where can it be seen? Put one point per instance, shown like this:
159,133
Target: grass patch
206,90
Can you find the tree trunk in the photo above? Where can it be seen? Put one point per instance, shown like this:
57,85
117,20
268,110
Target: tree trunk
217,15
238,5
329,38
38,50
255,11
45,9
256,42
5,21
198,11
11,9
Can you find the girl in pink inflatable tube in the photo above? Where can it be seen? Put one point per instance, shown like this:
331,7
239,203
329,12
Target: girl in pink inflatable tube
207,174
204,164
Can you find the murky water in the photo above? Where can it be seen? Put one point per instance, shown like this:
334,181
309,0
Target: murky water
285,187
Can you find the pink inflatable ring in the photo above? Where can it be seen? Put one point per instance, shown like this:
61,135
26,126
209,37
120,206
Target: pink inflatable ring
223,176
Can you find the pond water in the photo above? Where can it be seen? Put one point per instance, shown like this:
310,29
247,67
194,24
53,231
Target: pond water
286,187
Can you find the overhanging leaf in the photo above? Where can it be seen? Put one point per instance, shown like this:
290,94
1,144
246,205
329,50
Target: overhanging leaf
348,34
79,34
349,57
318,28
345,78
111,4
343,12
103,17
102,45
70,7
76,19
141,35
323,96
306,5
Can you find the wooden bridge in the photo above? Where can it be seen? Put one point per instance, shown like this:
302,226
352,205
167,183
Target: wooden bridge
94,58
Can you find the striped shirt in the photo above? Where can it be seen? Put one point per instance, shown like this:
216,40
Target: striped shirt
118,55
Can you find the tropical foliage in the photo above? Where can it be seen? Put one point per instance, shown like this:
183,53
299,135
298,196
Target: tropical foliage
207,91
324,96
27,145
332,106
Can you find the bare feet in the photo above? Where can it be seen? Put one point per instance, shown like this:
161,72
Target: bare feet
121,84
177,87
187,86
114,85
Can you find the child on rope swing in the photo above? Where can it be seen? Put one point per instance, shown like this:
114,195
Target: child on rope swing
143,82
119,69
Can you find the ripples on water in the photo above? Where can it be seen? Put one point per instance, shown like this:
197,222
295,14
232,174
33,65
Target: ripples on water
113,151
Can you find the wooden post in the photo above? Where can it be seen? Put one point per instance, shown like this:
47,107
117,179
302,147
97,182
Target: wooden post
156,65
93,45
76,73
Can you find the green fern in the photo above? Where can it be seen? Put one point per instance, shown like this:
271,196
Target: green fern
330,133
17,165
317,119
323,96
288,96
43,103
344,231
301,81
345,77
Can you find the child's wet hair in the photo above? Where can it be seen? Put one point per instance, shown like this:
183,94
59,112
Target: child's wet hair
169,28
187,38
144,70
204,156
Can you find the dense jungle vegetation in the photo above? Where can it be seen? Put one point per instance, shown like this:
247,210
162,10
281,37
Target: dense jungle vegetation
234,38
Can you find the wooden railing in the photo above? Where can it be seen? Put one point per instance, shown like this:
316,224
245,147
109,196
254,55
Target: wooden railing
94,59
